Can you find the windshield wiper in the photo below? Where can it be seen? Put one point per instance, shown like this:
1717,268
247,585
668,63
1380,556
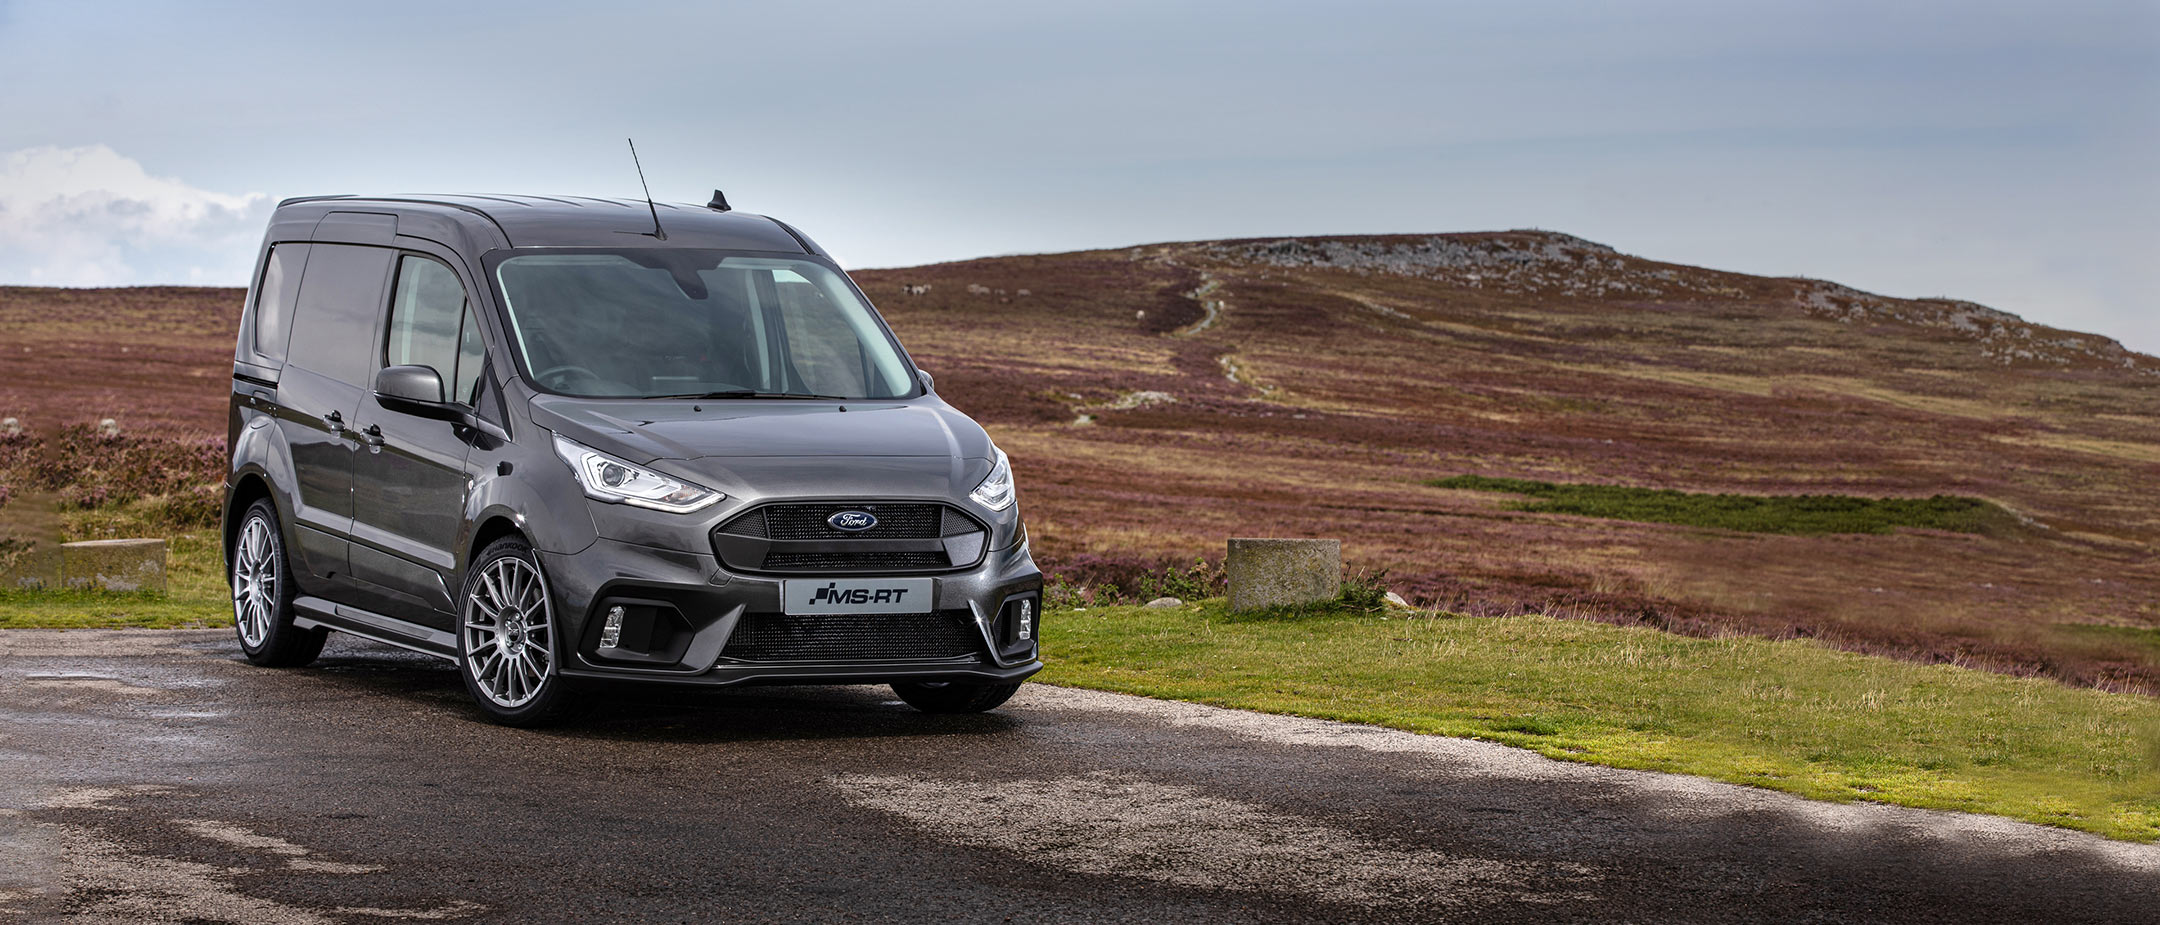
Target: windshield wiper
751,393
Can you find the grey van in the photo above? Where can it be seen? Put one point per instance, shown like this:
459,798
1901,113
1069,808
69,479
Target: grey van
553,439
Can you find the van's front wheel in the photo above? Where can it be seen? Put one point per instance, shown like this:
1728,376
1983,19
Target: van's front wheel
953,696
507,641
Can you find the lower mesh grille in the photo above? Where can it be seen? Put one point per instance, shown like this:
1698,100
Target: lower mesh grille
772,637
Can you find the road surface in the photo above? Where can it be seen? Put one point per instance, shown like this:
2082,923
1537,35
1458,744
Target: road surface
155,776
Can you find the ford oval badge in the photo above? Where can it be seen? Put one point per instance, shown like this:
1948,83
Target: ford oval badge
852,521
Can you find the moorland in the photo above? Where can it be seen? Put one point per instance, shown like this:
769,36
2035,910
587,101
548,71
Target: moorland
1158,399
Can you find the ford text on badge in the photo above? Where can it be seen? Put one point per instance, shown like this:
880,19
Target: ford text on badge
857,595
852,521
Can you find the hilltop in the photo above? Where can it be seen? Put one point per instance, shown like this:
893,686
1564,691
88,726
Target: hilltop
1158,399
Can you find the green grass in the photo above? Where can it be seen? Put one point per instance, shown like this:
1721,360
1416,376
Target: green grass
195,593
1786,715
1799,514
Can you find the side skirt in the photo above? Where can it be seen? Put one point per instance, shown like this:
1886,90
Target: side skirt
314,612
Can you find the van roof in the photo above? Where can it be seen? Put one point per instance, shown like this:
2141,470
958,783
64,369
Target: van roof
579,221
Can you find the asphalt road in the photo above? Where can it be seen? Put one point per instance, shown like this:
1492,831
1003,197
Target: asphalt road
154,776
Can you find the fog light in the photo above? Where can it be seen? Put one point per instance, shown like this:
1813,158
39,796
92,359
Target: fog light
611,632
1027,620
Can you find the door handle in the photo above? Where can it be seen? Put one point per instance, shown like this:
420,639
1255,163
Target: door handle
372,436
336,423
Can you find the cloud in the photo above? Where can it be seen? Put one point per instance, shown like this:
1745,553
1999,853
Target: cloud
91,216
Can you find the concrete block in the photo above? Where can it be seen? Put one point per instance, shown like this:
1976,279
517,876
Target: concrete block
29,564
114,565
1273,573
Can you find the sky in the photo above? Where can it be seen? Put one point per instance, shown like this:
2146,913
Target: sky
2002,153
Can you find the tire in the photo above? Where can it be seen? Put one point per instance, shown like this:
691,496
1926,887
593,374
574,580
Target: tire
260,576
508,638
953,696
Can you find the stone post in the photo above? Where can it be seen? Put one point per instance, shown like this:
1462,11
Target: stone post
1272,573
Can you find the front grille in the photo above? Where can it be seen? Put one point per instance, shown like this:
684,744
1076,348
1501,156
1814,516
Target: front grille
809,522
863,561
797,537
772,637
894,521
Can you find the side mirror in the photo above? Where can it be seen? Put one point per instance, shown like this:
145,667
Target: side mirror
415,390
929,382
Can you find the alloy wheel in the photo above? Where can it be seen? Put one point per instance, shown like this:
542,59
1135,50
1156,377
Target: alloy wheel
255,578
509,632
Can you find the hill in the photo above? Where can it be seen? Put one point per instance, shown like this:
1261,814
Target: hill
1157,399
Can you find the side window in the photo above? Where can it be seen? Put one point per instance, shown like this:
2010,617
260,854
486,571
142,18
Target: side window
426,320
334,318
274,300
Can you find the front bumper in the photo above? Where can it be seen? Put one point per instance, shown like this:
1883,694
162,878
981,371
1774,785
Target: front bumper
699,605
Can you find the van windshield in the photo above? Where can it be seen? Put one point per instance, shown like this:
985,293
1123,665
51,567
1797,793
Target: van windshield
654,323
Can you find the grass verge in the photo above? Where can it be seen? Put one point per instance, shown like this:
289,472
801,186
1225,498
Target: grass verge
1795,514
195,594
1786,715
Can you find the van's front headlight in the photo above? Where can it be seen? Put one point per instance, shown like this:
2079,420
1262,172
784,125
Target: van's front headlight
606,478
996,490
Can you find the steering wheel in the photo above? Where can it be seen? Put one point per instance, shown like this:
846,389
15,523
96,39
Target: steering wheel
549,375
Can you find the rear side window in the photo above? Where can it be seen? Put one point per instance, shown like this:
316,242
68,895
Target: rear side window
428,318
334,318
274,300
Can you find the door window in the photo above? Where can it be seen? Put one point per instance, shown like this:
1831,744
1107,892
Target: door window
429,325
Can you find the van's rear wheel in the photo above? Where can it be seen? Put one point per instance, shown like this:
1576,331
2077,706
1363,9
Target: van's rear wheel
507,638
262,594
953,696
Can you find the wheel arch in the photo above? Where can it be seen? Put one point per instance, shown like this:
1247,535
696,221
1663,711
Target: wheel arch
493,526
261,467
247,488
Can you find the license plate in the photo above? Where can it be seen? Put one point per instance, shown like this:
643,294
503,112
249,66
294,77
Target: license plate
856,595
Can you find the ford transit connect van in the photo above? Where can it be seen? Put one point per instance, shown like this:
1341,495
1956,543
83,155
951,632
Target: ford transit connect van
552,439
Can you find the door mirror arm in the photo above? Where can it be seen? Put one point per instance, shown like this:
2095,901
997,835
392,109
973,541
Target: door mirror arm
474,422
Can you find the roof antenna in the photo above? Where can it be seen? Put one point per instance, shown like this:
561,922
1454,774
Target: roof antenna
657,232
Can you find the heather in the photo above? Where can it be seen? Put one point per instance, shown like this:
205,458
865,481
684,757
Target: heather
175,482
1157,400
